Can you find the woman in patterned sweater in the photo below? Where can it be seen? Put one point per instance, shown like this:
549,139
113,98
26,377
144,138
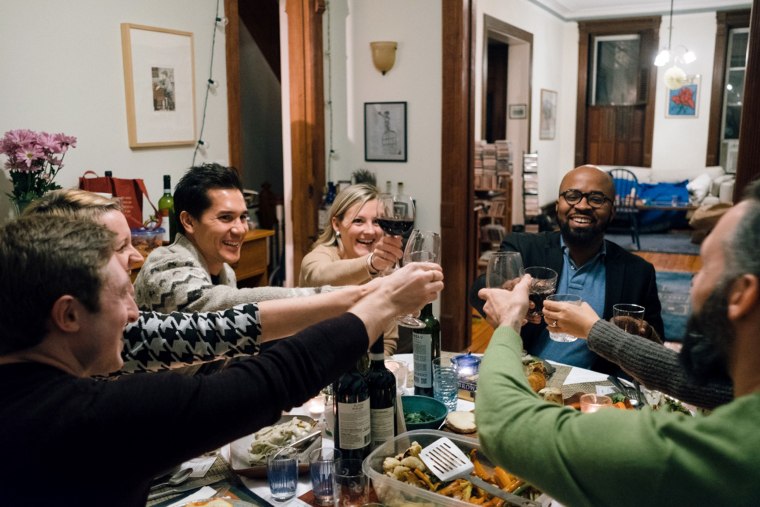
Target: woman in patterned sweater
159,341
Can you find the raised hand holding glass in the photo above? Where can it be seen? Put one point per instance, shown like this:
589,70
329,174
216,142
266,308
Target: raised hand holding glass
423,246
504,270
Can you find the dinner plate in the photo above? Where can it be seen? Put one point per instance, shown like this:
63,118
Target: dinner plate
239,452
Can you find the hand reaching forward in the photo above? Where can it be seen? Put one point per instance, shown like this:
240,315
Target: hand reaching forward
386,253
575,320
507,307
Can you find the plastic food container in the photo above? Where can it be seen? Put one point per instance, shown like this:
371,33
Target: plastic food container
145,240
392,492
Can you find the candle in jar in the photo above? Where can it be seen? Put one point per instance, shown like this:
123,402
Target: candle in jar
466,364
316,406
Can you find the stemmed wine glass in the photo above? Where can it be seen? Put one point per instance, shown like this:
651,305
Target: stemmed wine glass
395,213
504,270
423,246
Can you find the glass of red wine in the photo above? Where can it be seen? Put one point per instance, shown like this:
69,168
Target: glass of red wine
423,246
543,283
395,213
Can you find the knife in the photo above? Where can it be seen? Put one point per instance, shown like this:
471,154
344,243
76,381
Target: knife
500,493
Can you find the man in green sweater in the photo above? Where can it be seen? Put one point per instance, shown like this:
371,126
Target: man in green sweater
618,457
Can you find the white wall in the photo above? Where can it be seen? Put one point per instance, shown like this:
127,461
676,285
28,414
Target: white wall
63,73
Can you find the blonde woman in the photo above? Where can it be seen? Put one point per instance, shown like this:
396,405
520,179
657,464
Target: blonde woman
354,249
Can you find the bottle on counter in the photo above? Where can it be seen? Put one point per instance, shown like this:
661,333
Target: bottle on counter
166,210
382,396
426,346
109,174
352,432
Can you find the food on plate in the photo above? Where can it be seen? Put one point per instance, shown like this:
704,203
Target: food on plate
418,417
272,437
552,394
461,422
409,468
536,373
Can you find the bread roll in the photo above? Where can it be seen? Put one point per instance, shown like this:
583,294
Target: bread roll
461,422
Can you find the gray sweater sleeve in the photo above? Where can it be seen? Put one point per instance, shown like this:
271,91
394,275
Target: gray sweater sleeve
655,366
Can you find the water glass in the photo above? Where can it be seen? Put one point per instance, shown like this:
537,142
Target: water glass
351,485
322,471
628,317
445,383
282,473
563,298
504,270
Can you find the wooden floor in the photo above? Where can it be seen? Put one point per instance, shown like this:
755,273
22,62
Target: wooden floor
482,331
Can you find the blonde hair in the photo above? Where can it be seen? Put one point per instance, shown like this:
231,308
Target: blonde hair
348,197
71,202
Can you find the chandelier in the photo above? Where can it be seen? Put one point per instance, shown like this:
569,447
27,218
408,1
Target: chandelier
675,77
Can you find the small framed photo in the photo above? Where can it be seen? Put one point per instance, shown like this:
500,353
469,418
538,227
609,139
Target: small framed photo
684,101
548,124
518,111
385,131
160,86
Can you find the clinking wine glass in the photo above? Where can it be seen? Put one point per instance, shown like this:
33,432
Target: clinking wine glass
543,283
395,213
423,246
504,270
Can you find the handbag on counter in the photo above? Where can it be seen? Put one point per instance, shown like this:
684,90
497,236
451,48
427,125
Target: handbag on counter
130,192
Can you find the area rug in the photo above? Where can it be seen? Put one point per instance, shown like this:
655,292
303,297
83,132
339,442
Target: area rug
673,289
675,242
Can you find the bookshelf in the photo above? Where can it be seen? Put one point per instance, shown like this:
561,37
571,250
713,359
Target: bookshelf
493,196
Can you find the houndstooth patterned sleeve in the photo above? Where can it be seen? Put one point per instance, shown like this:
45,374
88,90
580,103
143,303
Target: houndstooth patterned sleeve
157,340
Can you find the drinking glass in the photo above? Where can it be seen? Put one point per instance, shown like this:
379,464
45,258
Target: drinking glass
594,402
628,317
423,246
400,371
503,271
322,472
563,298
445,383
395,213
543,283
282,473
351,485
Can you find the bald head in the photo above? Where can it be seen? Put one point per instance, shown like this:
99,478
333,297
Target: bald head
589,177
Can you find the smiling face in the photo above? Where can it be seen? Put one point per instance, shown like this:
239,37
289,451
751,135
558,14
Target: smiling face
581,223
126,254
358,229
218,233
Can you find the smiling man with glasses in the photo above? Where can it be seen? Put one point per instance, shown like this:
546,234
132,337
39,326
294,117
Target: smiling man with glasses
600,272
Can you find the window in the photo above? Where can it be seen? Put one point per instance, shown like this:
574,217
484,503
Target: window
615,71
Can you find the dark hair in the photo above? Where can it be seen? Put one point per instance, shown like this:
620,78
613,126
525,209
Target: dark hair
741,249
44,257
191,193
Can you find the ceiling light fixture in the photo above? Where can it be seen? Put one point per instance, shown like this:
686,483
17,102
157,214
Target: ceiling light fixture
675,77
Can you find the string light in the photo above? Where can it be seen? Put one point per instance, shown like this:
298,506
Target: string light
219,21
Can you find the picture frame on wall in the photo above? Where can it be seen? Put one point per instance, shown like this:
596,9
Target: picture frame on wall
159,86
548,124
518,111
683,102
385,132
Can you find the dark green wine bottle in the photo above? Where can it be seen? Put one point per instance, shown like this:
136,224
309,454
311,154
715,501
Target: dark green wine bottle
166,210
352,415
382,396
426,346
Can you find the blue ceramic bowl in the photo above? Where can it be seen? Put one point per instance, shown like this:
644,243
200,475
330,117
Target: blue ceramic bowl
423,404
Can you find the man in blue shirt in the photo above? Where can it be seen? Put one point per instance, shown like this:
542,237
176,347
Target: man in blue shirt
599,271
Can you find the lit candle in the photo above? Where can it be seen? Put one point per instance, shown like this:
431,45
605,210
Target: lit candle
316,406
466,364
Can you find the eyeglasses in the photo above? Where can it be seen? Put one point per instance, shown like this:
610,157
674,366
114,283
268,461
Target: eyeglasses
594,199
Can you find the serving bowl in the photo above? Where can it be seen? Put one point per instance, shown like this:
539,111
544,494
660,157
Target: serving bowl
419,404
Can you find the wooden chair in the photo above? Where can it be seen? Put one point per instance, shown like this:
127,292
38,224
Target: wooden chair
626,194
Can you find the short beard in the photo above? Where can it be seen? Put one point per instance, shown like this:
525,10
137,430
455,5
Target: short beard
708,339
581,237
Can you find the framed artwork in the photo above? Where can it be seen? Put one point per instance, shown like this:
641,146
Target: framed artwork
518,111
548,124
385,131
684,101
159,85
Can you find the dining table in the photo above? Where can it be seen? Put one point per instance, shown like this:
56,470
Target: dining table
571,380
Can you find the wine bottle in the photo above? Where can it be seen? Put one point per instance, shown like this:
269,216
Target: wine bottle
166,210
426,346
352,431
382,396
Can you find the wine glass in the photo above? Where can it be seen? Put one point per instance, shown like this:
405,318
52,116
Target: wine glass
504,270
423,246
543,283
395,213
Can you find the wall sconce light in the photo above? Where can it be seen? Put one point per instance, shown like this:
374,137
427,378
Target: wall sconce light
383,55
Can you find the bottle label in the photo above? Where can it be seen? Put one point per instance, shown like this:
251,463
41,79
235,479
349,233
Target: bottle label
422,344
166,236
354,424
383,420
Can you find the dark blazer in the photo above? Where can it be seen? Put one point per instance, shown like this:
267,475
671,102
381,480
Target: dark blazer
630,279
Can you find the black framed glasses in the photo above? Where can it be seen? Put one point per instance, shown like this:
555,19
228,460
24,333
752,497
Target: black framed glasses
594,199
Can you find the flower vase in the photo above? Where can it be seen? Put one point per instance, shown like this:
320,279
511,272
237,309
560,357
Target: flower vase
20,205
